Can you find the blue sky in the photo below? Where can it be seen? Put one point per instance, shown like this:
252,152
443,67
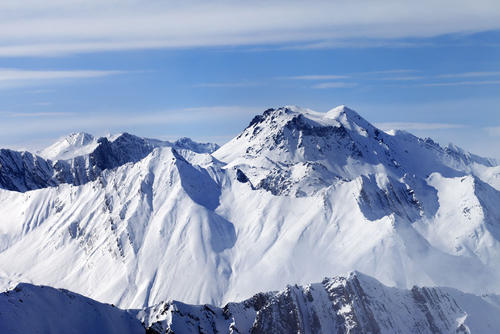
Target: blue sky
204,69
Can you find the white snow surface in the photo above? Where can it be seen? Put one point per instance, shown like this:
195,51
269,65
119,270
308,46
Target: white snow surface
81,143
73,145
297,196
352,303
39,309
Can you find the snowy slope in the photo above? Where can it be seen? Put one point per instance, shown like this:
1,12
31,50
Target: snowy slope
123,236
39,309
353,303
297,196
73,145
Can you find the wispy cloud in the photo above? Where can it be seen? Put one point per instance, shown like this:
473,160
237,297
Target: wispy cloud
407,78
34,27
227,84
40,114
317,77
417,126
9,74
390,71
397,75
470,74
462,83
337,84
11,77
353,43
49,122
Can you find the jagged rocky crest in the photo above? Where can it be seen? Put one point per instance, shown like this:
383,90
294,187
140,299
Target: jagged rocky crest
353,303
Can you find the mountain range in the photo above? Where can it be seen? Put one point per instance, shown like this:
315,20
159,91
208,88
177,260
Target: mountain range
297,196
352,303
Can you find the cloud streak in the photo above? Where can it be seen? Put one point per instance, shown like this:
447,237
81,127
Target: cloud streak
336,84
417,126
14,78
226,84
40,114
470,74
317,77
408,78
9,74
462,83
35,27
50,122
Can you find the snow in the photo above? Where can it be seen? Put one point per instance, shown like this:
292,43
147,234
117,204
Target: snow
39,309
352,302
327,193
347,303
71,146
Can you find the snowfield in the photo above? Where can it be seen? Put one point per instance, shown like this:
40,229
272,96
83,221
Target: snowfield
297,196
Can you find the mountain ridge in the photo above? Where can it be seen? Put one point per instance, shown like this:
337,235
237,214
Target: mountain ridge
83,158
297,196
353,302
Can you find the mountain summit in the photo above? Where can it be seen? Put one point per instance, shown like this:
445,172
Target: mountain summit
75,144
297,196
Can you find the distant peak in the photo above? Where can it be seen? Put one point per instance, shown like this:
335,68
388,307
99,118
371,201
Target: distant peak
69,146
340,111
80,138
188,143
184,140
282,112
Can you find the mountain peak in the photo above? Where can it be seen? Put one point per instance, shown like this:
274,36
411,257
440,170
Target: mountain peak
79,138
340,111
189,144
292,133
74,144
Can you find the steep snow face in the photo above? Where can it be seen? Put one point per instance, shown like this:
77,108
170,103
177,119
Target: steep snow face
73,145
42,309
135,236
345,304
296,197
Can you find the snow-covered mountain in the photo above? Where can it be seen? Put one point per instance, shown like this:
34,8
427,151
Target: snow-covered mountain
41,309
353,303
297,196
73,145
80,158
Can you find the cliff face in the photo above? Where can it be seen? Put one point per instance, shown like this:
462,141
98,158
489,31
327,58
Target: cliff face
354,303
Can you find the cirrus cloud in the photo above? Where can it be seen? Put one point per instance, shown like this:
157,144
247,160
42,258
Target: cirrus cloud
35,27
13,77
